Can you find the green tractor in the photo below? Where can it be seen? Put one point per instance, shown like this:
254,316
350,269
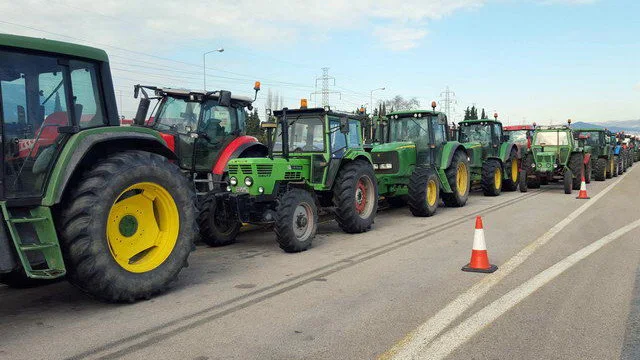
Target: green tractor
554,155
494,159
82,196
418,164
596,142
316,160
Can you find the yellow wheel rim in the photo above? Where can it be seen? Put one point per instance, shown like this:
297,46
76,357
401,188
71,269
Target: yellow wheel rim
462,178
514,170
142,227
497,178
432,188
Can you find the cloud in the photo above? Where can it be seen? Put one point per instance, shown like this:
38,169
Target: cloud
637,87
399,38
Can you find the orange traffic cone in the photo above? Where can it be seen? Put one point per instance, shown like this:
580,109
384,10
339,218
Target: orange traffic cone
583,190
479,257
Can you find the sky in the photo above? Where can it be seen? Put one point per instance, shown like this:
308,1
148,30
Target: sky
528,60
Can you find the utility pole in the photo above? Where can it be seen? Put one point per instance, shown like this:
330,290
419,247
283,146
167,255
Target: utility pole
204,66
448,100
325,87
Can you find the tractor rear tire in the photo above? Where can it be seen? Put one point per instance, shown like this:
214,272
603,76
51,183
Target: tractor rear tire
123,200
459,178
491,177
522,183
587,173
296,221
576,165
424,192
600,170
215,229
512,168
618,160
355,197
611,167
567,181
397,201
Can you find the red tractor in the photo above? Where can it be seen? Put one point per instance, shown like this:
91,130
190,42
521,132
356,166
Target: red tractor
205,130
520,134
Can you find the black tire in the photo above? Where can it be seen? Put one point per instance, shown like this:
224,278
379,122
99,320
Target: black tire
398,201
610,168
567,181
296,220
355,197
457,197
587,173
424,192
85,216
600,170
523,181
18,279
491,177
618,160
623,158
511,184
576,165
216,227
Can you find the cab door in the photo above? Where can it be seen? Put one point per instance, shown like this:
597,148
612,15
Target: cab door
217,128
496,139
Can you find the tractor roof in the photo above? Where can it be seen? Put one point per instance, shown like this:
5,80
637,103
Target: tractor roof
518,127
214,95
589,129
52,46
463,122
403,113
553,128
315,111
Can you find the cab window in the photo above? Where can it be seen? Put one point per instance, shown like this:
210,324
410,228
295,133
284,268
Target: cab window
87,103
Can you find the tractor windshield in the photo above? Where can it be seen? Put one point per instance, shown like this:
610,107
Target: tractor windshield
474,132
178,115
410,129
552,138
517,136
182,116
306,134
592,138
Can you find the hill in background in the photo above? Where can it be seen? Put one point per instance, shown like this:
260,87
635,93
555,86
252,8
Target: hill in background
628,126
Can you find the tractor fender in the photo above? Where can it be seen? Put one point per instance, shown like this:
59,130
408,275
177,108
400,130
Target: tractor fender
234,149
82,150
448,150
505,151
336,164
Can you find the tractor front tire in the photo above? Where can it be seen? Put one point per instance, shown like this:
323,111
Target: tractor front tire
296,220
355,197
216,227
600,170
523,181
459,178
512,168
618,160
127,226
567,181
491,177
576,165
611,167
424,192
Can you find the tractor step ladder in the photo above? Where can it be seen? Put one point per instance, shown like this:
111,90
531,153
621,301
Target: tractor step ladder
209,181
48,245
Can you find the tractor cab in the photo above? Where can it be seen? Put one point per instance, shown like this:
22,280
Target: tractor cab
204,129
483,136
520,134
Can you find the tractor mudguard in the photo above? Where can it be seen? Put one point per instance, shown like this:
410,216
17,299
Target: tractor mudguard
448,150
8,259
91,144
234,149
505,151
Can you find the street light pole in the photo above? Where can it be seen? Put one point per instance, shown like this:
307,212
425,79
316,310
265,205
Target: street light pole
371,96
204,66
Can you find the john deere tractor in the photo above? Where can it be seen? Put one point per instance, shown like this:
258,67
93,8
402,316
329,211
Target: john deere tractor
494,158
418,164
205,130
554,155
316,160
81,196
596,142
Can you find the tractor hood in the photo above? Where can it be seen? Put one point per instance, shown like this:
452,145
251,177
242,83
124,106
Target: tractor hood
394,157
547,160
251,174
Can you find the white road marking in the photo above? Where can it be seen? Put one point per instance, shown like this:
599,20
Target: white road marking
451,340
411,344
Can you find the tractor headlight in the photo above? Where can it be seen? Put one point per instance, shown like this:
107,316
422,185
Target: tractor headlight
533,165
233,181
228,188
386,166
260,189
555,165
376,166
248,181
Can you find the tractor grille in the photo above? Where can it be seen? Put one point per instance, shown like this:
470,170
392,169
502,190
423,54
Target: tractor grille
389,157
292,175
233,169
264,170
246,169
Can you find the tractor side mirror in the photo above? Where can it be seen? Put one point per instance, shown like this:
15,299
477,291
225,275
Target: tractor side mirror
141,114
21,115
344,125
225,98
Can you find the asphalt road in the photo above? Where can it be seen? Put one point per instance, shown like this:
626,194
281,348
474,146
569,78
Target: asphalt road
567,288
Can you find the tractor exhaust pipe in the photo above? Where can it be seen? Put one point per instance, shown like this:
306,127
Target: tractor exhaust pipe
285,134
